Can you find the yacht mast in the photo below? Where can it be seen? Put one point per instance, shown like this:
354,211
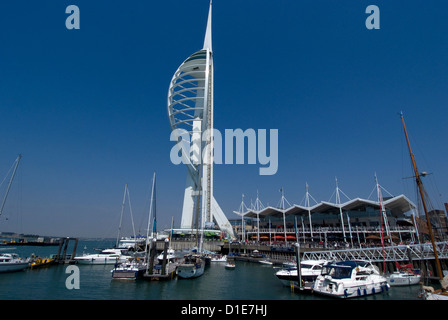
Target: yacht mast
121,216
421,191
10,183
152,208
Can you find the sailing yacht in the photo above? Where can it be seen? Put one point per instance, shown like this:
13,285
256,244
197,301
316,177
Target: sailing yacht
428,292
10,262
192,267
133,269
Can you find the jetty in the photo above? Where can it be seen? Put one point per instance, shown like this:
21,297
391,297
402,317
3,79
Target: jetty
63,257
164,271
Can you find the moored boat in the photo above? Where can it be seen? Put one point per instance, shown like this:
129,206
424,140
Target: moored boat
309,271
405,275
129,270
192,267
429,293
349,279
41,262
107,256
400,278
219,258
11,262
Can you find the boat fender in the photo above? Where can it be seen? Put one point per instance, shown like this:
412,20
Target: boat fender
359,292
345,293
382,288
365,291
373,290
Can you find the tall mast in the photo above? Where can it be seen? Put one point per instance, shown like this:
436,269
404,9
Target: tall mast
338,202
10,183
380,200
121,216
421,191
152,208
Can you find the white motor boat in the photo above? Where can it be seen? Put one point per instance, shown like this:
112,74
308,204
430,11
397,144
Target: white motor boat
130,243
107,256
405,275
192,267
348,279
170,256
402,278
129,270
11,262
309,271
219,258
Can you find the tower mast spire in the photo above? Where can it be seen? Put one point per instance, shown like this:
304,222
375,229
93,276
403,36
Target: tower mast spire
208,32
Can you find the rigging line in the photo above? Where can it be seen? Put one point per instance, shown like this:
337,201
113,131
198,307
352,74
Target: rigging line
7,174
16,162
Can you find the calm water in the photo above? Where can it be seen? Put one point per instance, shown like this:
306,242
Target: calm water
249,281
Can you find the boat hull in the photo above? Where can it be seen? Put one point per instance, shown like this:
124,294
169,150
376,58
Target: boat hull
341,290
101,259
396,280
13,267
187,271
286,279
230,266
127,274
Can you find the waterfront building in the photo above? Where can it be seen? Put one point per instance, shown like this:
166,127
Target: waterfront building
352,222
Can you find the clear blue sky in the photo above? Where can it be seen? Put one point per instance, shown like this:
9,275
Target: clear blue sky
87,108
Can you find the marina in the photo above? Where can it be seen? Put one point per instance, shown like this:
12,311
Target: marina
248,281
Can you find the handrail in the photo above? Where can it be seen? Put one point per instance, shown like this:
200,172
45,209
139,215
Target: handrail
392,253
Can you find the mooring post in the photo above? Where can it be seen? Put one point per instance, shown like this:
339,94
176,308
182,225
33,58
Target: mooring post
74,249
152,252
58,257
299,271
165,252
64,253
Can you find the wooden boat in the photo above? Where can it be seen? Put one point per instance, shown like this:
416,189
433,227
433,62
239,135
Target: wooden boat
428,293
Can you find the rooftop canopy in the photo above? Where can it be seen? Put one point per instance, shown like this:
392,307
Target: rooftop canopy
396,205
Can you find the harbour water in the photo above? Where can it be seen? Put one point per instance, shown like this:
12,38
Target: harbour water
249,281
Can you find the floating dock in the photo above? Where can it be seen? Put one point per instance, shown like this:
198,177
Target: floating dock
158,274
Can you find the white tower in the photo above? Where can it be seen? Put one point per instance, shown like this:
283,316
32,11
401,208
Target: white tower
190,111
